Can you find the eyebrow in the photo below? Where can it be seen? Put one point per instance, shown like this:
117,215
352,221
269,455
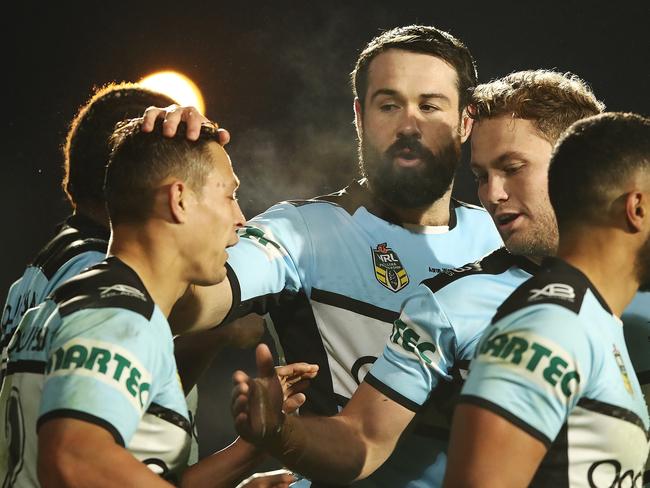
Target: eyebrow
501,159
424,96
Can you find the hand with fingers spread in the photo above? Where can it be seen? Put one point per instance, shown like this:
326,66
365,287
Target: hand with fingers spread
280,478
257,402
294,379
175,114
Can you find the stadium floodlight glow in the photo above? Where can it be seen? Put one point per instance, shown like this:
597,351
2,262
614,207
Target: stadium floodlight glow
177,86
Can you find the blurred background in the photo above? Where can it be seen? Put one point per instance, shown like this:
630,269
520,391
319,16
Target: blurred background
275,73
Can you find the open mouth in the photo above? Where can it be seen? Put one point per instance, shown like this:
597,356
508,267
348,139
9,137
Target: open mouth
505,219
407,157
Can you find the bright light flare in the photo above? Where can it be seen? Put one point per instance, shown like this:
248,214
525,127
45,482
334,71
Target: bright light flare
177,86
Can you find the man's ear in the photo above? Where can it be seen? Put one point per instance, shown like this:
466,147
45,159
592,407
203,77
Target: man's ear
358,117
178,195
466,124
636,210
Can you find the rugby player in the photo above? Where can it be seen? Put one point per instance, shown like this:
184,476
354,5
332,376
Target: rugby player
82,239
92,369
517,120
552,399
332,272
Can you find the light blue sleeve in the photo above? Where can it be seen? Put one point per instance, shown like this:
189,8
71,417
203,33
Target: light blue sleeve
530,368
273,253
102,367
419,353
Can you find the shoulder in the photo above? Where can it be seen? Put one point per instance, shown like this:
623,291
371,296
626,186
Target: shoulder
109,284
348,199
467,211
556,284
74,238
495,263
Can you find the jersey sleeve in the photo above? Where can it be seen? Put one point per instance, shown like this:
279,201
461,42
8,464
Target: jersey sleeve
530,369
419,353
272,256
101,368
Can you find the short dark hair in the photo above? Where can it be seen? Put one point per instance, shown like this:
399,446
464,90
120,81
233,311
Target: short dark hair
86,149
552,101
140,160
592,158
418,39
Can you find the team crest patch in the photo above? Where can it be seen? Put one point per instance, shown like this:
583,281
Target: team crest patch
388,268
621,367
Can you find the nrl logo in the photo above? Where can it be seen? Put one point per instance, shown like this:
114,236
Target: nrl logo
388,268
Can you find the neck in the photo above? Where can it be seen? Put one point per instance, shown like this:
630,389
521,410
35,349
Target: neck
615,276
435,214
142,247
96,213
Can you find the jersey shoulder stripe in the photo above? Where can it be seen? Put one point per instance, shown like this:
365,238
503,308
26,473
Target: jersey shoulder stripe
556,283
109,284
77,235
495,263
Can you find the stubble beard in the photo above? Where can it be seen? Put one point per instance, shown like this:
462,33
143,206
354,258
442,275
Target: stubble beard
539,240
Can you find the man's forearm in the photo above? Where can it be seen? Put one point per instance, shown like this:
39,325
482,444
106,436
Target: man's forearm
75,453
326,449
224,468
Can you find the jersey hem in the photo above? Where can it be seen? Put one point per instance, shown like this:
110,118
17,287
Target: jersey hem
392,394
86,417
502,412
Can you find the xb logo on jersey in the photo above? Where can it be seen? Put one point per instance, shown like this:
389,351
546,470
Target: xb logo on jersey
388,268
553,290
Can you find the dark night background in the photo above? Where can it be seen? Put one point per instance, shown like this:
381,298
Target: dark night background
274,73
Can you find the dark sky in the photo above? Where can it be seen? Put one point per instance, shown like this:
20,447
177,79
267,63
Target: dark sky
274,73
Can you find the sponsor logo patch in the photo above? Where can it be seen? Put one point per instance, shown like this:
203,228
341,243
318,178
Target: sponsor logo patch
263,238
560,291
542,360
114,290
406,337
388,268
111,364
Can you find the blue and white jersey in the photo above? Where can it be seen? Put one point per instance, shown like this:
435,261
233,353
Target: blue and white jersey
78,244
427,355
636,321
101,351
555,364
332,276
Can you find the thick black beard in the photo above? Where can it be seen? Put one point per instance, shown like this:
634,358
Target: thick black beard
410,187
643,266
